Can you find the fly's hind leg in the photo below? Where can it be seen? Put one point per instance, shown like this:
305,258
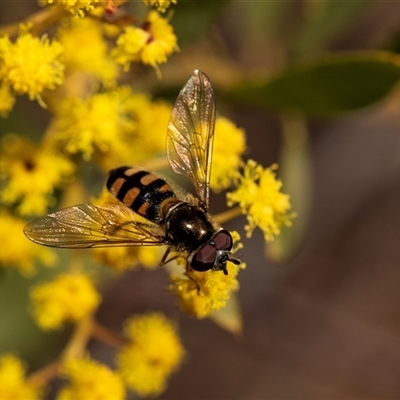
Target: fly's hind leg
165,259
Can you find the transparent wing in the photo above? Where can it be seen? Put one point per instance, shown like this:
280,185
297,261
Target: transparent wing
87,225
191,133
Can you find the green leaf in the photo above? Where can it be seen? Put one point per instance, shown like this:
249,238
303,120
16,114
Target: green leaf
326,87
296,173
192,18
230,317
324,19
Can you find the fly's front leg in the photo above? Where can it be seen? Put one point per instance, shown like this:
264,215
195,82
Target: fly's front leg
187,273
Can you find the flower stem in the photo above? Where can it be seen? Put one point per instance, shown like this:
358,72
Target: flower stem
43,375
39,21
105,335
79,339
84,330
228,215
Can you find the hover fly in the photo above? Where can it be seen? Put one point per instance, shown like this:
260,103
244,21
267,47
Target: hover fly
180,221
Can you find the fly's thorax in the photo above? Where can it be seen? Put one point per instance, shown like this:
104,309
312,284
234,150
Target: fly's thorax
188,227
141,191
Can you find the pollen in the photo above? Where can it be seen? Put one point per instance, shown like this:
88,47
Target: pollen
68,298
154,353
12,378
31,65
89,379
258,194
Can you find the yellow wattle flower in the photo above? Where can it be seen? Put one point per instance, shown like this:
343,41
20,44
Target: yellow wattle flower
75,7
29,174
7,100
151,44
17,251
225,164
102,122
154,353
202,293
68,298
89,379
86,50
258,194
31,64
12,380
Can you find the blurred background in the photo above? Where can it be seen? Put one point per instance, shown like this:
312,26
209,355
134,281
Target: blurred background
321,305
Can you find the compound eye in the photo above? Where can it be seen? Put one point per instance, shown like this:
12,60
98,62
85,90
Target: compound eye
223,240
204,259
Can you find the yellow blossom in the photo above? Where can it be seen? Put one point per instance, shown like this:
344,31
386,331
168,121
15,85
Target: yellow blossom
129,45
31,65
151,44
12,380
161,5
152,123
75,7
123,258
89,379
7,100
85,49
101,122
225,162
201,293
17,251
154,353
67,298
259,196
30,174
148,139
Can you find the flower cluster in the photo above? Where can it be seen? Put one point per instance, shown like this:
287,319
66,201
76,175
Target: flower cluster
76,59
202,293
225,164
88,379
29,66
151,44
29,174
86,51
13,382
69,298
259,196
18,252
75,7
153,353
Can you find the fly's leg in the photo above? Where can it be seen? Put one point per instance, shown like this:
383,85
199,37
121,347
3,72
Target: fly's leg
187,273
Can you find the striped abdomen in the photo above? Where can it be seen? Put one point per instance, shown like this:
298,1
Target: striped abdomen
141,191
